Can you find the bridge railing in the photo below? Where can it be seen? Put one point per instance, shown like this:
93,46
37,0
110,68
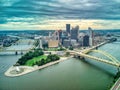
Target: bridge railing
95,58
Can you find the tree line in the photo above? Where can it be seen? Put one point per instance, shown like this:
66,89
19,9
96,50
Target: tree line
49,58
29,55
36,53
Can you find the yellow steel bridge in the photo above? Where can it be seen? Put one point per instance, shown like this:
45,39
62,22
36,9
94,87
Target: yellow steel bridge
112,60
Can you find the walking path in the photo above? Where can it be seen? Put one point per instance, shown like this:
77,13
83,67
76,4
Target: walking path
13,71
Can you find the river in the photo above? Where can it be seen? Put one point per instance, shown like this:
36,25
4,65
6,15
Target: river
72,74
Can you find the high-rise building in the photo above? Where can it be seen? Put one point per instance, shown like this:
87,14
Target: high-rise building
64,36
60,34
75,33
68,28
53,43
91,36
39,38
50,34
40,42
66,43
56,35
86,40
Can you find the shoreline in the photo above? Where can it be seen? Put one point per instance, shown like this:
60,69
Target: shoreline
116,85
29,69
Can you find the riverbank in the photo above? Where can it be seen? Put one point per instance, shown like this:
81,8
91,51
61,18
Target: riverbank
116,85
63,74
13,70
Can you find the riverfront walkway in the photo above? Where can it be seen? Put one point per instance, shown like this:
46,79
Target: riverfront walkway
12,71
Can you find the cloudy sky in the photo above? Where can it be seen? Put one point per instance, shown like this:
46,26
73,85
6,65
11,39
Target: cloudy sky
54,14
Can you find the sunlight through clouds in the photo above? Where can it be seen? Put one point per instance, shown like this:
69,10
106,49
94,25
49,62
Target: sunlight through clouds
54,14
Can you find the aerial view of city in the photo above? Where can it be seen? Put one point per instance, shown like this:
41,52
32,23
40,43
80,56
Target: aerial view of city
59,45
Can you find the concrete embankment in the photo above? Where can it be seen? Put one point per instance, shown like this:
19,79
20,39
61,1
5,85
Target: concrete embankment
12,71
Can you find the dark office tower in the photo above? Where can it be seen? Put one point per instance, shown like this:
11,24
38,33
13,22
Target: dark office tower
68,28
86,40
75,33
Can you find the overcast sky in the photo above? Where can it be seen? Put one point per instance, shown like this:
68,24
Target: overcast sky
54,14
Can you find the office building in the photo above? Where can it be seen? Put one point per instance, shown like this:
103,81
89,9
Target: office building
73,42
39,38
75,33
91,36
68,28
66,43
64,36
60,34
40,42
86,41
53,43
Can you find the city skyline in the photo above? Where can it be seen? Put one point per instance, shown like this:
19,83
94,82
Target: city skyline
55,14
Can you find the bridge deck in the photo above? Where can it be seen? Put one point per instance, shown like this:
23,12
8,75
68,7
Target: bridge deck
96,58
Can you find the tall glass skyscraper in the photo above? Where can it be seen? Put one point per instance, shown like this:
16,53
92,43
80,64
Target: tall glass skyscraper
68,28
86,40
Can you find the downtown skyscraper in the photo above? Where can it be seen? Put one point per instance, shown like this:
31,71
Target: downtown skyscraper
91,36
68,28
75,33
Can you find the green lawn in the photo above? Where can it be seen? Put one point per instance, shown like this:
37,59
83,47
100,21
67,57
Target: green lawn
34,60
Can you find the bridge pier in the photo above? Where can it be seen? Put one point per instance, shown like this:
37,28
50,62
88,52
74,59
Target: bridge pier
21,53
78,56
96,48
16,53
82,58
75,56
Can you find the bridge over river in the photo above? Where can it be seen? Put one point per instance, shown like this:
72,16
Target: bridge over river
111,61
21,46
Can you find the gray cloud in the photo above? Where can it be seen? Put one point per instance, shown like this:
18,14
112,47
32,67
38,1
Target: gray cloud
59,9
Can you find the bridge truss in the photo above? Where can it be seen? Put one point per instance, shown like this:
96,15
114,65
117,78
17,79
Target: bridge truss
112,60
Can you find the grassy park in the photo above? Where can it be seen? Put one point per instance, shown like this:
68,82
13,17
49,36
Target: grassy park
33,61
36,57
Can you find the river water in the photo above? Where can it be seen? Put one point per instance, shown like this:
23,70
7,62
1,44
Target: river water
72,74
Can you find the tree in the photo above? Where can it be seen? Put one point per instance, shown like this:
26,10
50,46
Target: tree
42,61
30,55
36,43
47,60
71,48
45,45
53,57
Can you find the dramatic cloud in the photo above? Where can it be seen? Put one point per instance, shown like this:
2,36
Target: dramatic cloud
38,13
